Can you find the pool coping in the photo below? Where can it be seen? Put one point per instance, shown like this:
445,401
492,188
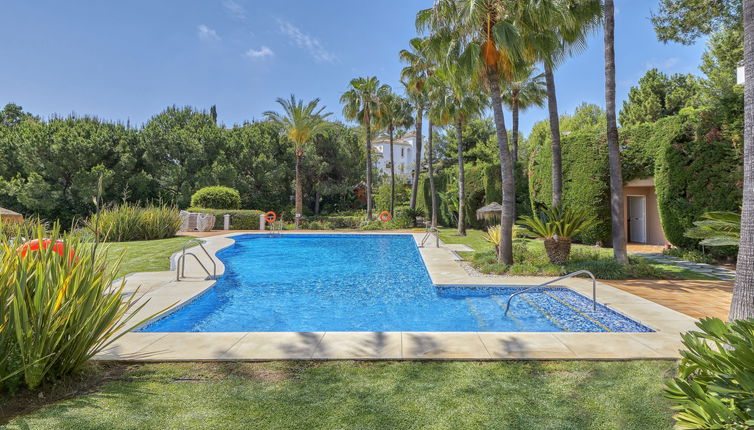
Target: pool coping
159,290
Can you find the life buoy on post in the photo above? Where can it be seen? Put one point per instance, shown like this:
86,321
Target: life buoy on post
270,217
36,244
385,216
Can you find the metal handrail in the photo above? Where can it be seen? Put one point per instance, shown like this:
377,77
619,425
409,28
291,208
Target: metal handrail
570,275
181,270
431,231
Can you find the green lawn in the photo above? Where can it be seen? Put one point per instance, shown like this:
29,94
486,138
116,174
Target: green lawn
598,260
144,256
370,395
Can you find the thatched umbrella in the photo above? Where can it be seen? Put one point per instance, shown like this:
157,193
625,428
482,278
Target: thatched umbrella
491,211
9,216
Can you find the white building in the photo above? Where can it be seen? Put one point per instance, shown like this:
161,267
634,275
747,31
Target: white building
404,148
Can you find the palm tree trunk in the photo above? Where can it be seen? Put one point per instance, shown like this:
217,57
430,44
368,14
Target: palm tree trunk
613,152
742,305
557,162
505,255
430,162
369,168
392,173
514,149
461,182
299,192
417,168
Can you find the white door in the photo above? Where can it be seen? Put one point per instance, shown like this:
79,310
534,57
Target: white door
637,219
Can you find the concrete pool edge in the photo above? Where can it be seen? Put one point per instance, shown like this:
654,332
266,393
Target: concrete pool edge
162,291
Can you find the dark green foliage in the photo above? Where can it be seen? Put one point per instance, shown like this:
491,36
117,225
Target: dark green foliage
239,219
639,145
216,197
658,96
493,187
128,222
585,180
695,173
338,222
686,20
715,385
694,255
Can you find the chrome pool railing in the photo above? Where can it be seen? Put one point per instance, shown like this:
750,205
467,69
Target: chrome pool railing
570,275
180,269
431,231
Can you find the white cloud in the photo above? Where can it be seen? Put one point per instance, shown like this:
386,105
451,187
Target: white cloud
664,65
312,44
262,52
235,9
206,33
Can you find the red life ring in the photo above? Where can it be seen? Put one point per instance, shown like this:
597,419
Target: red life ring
270,217
385,216
34,245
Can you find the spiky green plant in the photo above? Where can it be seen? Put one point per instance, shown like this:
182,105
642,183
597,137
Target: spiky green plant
557,225
57,309
128,222
717,229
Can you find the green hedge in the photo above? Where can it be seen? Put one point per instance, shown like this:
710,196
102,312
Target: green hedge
216,197
585,180
335,222
493,187
239,219
695,172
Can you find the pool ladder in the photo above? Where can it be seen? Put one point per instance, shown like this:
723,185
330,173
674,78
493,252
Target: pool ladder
431,231
570,275
180,268
276,227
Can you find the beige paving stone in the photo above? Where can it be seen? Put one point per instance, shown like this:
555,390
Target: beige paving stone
443,345
525,346
127,347
190,346
616,346
663,343
359,345
275,346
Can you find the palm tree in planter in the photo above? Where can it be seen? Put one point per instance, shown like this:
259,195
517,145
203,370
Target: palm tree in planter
394,112
557,225
360,103
301,122
525,90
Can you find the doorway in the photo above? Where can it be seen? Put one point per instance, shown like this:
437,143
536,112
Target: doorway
637,219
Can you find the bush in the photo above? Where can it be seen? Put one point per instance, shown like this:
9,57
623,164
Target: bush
689,254
338,222
129,222
56,311
216,198
239,219
715,387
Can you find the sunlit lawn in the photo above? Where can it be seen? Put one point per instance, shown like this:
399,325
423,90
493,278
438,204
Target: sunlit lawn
371,395
144,256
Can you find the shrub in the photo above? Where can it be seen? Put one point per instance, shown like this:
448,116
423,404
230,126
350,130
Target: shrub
216,198
129,222
557,225
336,222
56,311
239,219
715,386
689,254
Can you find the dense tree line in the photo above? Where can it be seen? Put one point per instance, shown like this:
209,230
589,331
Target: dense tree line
52,168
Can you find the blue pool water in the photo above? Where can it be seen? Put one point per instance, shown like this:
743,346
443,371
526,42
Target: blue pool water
367,283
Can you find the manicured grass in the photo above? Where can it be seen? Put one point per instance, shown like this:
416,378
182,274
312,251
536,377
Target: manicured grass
598,260
144,256
370,395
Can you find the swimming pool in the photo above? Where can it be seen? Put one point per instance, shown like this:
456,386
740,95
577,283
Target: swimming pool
306,283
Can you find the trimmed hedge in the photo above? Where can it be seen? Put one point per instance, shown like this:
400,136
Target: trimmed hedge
586,180
239,219
493,187
216,197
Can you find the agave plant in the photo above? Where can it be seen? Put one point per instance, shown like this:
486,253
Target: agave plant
717,229
557,225
493,235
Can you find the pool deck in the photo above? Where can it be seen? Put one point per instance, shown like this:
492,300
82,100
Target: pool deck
161,290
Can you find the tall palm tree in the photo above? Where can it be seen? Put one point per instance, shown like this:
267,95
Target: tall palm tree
420,64
524,91
553,30
742,305
458,98
491,46
300,122
394,112
360,102
613,151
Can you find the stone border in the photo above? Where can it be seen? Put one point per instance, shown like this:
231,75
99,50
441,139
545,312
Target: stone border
161,289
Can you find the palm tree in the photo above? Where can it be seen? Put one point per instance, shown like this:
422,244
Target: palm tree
420,64
485,32
524,91
300,122
742,305
394,112
360,102
613,151
457,99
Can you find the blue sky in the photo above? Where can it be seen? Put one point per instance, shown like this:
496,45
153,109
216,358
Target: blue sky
130,60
